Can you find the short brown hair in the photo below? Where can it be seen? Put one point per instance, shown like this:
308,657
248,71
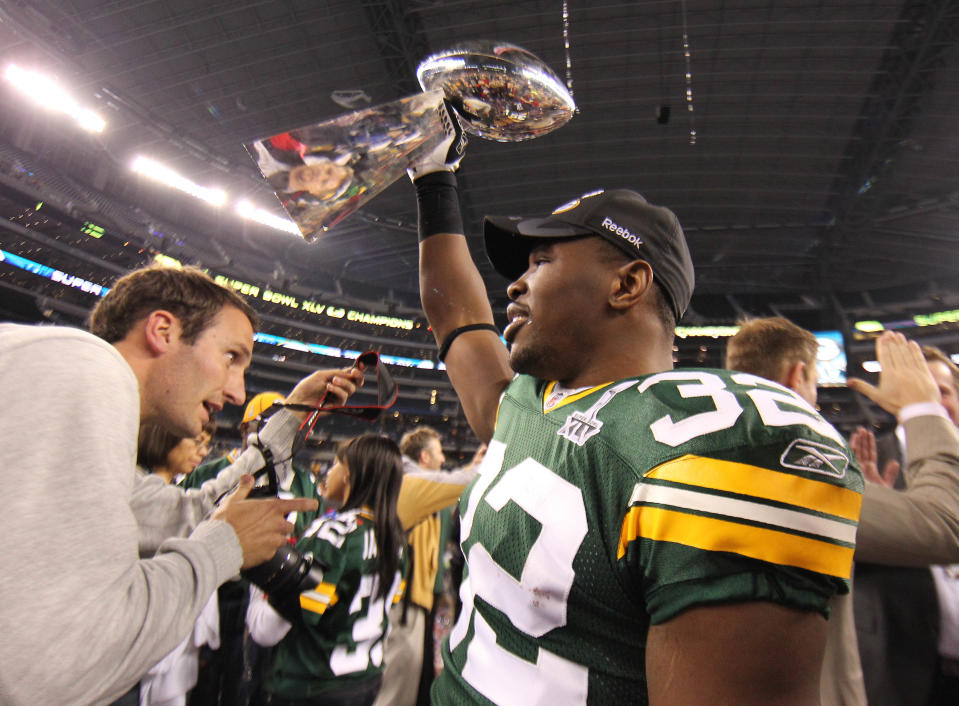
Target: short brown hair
933,355
413,442
188,293
767,347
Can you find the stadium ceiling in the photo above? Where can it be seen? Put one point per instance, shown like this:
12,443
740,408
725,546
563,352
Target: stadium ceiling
825,165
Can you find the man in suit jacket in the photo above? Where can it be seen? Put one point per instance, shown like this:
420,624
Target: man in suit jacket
897,615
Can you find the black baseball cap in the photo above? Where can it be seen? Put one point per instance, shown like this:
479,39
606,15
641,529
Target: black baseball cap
623,217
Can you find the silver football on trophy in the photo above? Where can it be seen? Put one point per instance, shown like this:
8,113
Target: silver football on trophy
501,91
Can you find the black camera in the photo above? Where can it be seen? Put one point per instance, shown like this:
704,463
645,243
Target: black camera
284,577
287,574
286,571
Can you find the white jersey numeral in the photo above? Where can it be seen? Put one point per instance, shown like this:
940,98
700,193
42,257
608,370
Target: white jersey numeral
727,411
776,405
534,604
367,629
779,407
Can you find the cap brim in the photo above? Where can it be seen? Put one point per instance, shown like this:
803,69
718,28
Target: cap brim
509,240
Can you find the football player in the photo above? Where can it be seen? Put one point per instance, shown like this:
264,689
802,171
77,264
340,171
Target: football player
635,533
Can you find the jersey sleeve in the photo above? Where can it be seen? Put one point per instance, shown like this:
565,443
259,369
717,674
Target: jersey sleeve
757,513
203,473
325,541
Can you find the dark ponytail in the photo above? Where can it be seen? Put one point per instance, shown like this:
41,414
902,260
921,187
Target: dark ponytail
376,473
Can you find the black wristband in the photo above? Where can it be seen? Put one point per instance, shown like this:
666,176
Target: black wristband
451,336
439,205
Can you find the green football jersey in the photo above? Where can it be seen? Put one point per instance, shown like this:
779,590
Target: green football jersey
207,471
599,512
341,628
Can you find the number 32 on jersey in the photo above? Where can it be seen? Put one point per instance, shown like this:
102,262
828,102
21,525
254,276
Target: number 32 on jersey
537,602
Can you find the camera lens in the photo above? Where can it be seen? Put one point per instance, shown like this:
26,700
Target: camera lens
281,573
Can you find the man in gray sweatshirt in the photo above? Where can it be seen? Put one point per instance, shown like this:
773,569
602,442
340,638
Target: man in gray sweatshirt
81,615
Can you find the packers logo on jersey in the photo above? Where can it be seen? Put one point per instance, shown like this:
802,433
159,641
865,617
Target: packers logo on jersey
805,455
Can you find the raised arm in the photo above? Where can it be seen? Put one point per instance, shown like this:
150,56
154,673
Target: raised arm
425,492
453,292
163,511
919,525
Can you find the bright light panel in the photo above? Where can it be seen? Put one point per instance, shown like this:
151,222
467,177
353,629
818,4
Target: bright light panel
163,174
251,212
46,92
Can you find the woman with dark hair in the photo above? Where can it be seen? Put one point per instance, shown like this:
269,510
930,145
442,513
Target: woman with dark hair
330,651
168,456
162,509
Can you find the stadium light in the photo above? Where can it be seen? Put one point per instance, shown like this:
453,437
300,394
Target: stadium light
163,174
251,212
47,93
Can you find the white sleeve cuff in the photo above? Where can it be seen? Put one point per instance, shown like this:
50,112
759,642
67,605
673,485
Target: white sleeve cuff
922,409
266,626
279,432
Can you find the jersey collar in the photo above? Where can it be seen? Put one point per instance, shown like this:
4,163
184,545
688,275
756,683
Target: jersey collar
556,396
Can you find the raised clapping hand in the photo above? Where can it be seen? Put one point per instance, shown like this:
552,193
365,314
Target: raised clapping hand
863,444
904,379
260,524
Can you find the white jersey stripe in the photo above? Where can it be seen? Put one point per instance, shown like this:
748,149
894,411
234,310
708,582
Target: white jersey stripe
736,509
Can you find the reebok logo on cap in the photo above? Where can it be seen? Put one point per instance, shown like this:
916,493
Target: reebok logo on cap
621,217
613,227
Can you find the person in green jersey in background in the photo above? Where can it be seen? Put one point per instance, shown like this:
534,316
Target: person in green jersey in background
635,534
330,639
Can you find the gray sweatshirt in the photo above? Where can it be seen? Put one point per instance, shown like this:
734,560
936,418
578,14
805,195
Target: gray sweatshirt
82,617
163,510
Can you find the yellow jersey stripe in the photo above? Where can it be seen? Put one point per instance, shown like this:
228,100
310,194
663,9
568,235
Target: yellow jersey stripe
324,593
718,535
762,483
325,589
741,509
313,606
319,599
400,592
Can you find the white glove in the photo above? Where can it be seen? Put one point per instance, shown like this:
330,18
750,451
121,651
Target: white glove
448,153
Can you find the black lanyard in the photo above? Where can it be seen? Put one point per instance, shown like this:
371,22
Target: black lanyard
386,394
